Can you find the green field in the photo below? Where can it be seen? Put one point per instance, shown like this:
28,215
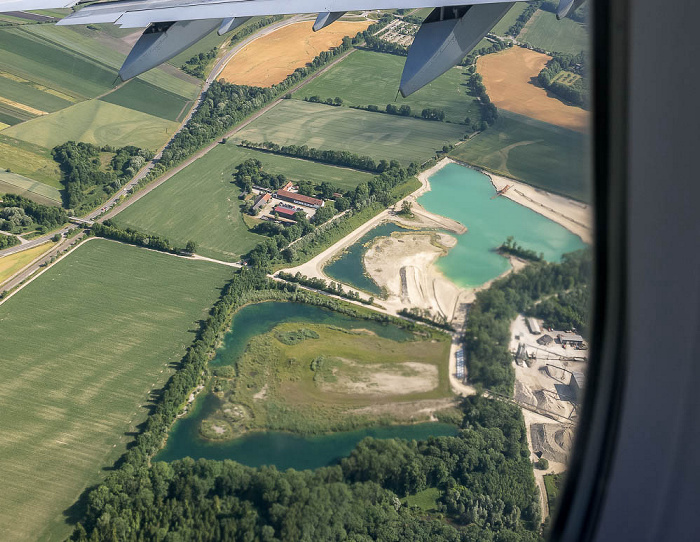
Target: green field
84,346
26,94
29,160
377,135
540,154
545,32
509,19
315,377
201,203
103,49
147,98
98,122
12,183
553,484
367,77
33,58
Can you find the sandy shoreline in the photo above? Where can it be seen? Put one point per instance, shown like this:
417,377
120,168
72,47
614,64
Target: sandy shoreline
575,216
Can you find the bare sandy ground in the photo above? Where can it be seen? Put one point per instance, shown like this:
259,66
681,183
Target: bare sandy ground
269,59
401,379
510,79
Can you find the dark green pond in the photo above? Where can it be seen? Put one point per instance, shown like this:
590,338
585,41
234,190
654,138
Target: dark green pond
284,450
349,269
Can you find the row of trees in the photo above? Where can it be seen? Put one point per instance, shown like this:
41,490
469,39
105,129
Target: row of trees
425,316
523,18
337,101
485,480
333,287
487,335
109,230
489,112
18,214
578,93
87,183
196,65
335,158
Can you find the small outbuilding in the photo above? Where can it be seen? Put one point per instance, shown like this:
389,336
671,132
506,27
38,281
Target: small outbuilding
577,384
570,339
534,326
545,340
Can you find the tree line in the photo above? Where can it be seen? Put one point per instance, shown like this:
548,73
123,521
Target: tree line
18,214
487,335
87,183
485,481
334,288
578,93
523,18
334,158
109,230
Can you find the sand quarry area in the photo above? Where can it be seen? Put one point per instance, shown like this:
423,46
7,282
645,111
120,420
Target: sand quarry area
510,78
270,59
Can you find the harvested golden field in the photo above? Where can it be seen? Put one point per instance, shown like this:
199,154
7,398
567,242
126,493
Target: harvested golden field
510,78
269,59
23,107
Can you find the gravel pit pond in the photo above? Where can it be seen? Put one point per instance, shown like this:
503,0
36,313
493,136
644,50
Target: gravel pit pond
466,195
282,449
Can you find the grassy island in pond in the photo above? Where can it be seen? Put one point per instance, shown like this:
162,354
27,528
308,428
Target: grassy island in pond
314,378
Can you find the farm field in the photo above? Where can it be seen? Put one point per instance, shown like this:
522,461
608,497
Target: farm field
313,378
540,154
139,95
509,19
269,59
29,160
9,265
367,77
106,325
27,94
508,79
545,32
201,203
377,135
98,122
12,183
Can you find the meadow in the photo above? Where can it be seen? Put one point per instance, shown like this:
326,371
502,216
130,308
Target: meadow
201,203
545,32
29,160
367,77
98,122
377,135
145,97
85,347
315,378
10,264
12,183
540,154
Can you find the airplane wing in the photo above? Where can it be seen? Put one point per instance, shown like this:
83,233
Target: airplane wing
446,36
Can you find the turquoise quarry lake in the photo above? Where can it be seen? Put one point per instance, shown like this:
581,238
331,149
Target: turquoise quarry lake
464,194
284,450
